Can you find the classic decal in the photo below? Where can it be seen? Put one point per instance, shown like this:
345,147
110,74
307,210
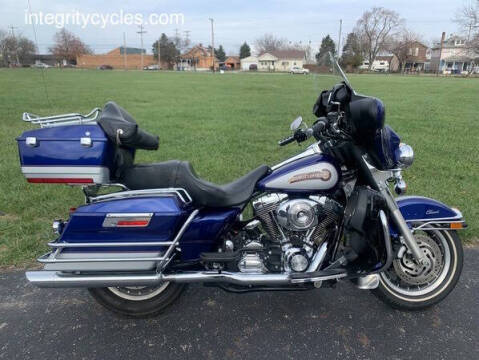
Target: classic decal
323,174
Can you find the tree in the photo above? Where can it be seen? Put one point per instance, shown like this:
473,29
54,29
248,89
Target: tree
25,49
352,55
268,43
374,28
467,18
68,47
220,54
168,50
15,49
327,45
245,51
400,46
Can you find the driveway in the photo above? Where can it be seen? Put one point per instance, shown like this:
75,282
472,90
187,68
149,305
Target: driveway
207,323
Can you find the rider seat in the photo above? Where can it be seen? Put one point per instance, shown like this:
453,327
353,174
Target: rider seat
180,174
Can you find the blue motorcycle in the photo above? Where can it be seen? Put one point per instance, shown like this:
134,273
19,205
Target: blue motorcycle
323,216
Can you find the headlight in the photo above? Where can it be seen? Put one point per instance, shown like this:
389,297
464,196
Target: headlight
405,156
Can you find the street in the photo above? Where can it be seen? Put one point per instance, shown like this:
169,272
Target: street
207,323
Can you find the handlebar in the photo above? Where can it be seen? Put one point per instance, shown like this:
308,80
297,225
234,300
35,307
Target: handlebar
323,128
286,141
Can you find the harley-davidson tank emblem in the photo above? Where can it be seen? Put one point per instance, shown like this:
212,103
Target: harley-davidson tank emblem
323,174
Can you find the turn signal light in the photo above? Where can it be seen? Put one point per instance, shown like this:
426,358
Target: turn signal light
456,225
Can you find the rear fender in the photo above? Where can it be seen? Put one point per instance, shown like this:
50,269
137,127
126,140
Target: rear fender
422,213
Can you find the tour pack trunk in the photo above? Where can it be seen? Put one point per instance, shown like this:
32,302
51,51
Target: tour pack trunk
68,154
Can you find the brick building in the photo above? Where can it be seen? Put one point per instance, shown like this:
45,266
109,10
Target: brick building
197,58
116,59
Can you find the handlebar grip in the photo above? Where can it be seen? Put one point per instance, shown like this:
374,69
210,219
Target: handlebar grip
318,127
286,141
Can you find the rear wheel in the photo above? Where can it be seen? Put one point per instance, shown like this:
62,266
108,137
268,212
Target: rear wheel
138,301
410,286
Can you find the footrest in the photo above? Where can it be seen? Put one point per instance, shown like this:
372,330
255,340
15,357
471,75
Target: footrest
318,276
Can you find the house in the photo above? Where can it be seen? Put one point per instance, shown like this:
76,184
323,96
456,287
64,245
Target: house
453,56
281,60
248,62
116,59
233,63
198,58
416,57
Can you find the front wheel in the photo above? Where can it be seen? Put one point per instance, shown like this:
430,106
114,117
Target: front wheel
409,286
138,301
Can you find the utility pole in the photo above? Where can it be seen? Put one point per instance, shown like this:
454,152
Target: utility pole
159,53
187,38
11,27
339,38
212,44
141,32
124,51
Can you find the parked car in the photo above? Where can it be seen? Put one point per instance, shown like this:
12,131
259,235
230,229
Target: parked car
299,70
41,65
105,67
152,67
253,67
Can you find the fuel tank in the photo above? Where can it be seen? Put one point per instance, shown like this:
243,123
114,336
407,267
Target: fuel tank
313,173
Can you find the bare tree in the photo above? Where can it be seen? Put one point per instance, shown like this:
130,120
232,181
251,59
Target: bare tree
374,28
401,44
269,42
68,46
15,49
467,18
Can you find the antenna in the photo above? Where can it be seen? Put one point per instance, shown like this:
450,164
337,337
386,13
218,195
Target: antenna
38,49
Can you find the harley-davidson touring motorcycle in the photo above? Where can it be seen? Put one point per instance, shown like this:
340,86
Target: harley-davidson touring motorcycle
323,216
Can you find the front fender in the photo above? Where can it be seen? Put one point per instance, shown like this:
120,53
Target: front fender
426,211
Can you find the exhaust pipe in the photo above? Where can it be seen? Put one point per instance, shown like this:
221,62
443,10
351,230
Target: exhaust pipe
55,279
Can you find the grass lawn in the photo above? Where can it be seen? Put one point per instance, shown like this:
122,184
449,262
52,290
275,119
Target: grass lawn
226,125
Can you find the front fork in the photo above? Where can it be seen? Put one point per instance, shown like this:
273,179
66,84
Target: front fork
401,224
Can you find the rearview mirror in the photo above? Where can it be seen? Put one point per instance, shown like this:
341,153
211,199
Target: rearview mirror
296,123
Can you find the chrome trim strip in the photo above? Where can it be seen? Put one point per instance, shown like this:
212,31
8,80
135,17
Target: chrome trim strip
108,244
133,215
180,192
46,259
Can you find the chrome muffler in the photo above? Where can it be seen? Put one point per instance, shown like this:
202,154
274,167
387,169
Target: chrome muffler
56,279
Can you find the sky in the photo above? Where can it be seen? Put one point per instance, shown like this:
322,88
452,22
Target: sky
234,22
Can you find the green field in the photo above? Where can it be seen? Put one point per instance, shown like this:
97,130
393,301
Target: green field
226,125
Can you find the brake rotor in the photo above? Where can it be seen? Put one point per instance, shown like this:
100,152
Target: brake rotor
420,274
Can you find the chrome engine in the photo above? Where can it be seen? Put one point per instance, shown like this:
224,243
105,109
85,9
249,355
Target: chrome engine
297,227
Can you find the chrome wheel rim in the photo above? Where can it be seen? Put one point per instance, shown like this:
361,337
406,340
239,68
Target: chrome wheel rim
138,293
407,278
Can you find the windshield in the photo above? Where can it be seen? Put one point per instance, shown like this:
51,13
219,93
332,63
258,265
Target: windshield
329,73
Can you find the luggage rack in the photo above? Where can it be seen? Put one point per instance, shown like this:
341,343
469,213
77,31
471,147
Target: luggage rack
63,119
